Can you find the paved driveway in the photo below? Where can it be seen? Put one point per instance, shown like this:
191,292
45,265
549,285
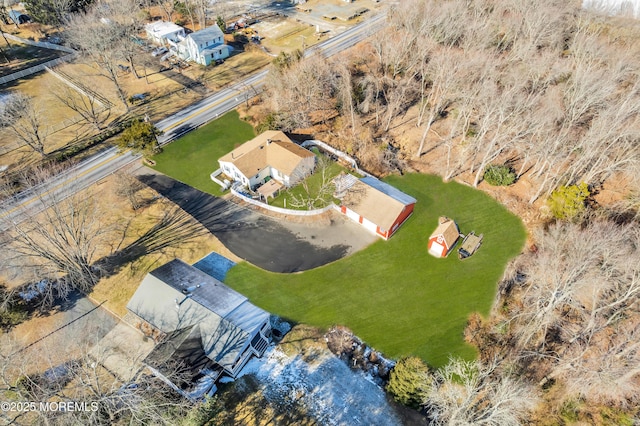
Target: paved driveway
271,244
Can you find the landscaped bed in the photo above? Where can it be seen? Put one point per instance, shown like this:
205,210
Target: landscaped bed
393,294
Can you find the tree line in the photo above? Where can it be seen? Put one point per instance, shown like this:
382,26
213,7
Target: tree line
550,88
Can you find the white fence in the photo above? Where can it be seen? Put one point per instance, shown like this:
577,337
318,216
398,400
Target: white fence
279,209
40,67
328,148
42,44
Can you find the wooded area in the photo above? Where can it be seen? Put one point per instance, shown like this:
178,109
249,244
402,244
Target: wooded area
544,86
551,92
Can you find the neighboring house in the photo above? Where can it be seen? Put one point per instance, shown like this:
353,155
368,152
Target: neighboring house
378,206
444,238
269,157
199,320
164,33
204,46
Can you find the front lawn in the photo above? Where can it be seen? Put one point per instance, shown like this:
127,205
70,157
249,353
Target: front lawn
393,294
192,158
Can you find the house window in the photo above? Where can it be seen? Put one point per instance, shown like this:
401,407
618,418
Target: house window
212,56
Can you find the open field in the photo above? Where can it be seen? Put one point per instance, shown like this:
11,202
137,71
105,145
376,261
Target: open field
393,294
285,34
233,69
192,158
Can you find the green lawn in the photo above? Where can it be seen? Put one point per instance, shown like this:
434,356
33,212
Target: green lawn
393,294
192,158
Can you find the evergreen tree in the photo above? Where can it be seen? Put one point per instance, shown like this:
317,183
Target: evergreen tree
53,12
409,381
140,137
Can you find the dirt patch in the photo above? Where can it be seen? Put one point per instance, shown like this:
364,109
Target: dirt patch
284,34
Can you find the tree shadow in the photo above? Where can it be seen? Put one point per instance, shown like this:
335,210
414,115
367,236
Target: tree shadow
175,227
215,214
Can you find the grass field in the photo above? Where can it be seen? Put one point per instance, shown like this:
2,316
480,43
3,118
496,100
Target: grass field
192,158
393,294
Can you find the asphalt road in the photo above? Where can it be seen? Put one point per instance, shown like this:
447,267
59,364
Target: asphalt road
109,161
227,99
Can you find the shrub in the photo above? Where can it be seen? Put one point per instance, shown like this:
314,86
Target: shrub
409,381
569,202
270,122
499,175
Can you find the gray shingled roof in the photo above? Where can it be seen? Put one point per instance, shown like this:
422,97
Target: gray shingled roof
389,190
177,295
207,34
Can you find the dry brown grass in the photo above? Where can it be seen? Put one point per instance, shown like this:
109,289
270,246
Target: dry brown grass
117,289
286,35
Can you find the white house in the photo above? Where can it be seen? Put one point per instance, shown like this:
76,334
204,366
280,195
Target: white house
204,46
162,32
199,320
270,156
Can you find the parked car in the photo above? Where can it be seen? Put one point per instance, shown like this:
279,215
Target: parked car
219,61
159,51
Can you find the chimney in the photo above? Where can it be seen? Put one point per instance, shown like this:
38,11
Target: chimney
268,141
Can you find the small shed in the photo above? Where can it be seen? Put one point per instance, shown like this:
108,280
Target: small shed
444,238
18,17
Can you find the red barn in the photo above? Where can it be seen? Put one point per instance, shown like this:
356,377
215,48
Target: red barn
444,238
378,206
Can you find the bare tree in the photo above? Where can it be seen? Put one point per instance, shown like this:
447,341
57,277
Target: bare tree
24,120
470,393
302,93
168,7
75,374
199,8
317,195
104,37
129,187
92,111
575,312
54,232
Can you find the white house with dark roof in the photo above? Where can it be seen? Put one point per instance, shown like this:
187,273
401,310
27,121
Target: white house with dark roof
204,46
211,327
270,159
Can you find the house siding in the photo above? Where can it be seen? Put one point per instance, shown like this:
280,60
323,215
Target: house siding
408,211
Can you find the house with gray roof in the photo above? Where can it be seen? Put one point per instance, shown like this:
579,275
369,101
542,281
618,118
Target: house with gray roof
199,320
204,46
